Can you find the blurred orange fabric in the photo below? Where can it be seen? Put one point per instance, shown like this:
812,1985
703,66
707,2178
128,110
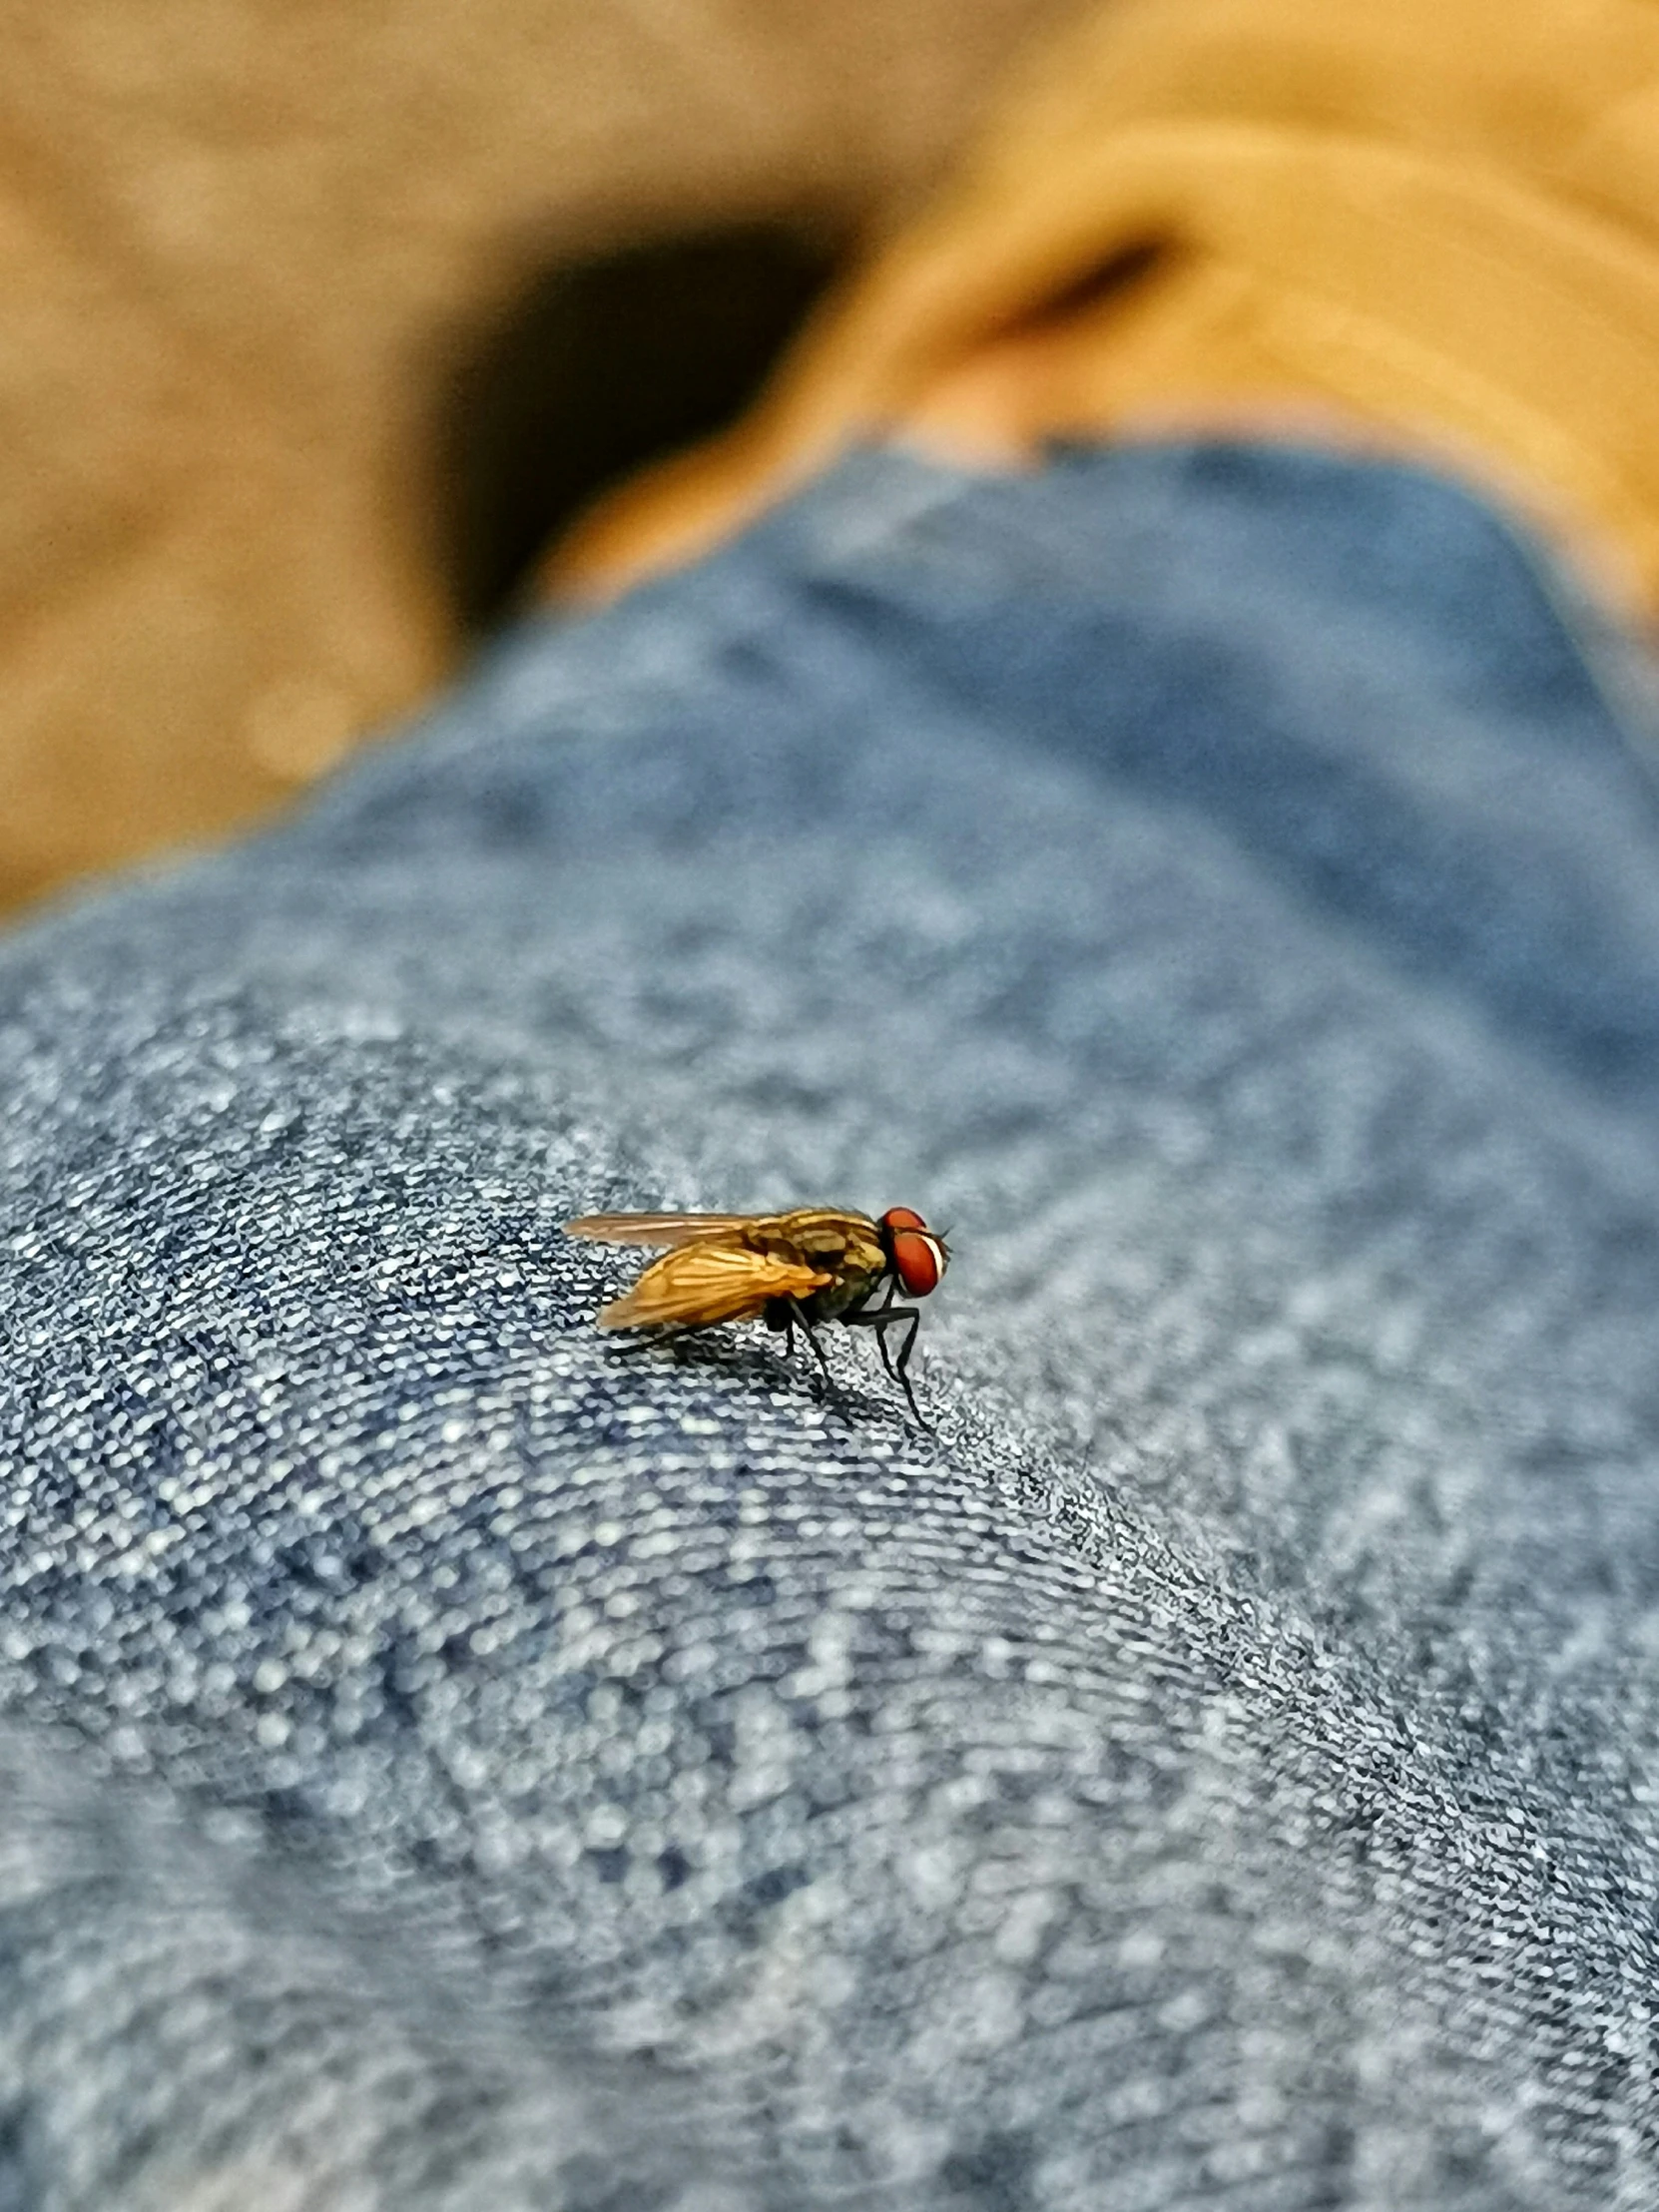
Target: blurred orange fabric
246,246
1432,225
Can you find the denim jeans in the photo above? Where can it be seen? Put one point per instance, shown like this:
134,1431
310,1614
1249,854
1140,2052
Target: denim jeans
454,1759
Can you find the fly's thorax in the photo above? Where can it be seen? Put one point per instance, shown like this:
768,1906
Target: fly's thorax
836,1242
825,1229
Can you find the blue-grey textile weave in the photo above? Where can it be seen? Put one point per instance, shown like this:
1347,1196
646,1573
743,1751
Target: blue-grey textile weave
452,1760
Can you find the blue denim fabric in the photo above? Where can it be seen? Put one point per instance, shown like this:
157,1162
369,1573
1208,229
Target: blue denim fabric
451,1759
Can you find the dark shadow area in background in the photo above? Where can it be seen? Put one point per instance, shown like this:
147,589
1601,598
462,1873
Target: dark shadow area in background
592,368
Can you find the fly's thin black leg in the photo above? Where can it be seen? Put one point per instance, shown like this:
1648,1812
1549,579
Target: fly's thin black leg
882,1318
797,1313
902,1365
866,1315
878,1314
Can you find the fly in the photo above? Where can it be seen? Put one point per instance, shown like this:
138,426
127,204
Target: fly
795,1270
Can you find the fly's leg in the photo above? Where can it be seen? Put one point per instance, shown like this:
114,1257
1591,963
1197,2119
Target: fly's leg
866,1315
873,1317
798,1312
882,1318
902,1365
787,1315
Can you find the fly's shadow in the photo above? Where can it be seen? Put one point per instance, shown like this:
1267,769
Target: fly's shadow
723,1351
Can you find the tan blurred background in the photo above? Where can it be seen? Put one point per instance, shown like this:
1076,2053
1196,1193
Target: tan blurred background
261,257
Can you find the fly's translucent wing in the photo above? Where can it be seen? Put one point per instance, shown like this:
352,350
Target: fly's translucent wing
701,1284
656,1228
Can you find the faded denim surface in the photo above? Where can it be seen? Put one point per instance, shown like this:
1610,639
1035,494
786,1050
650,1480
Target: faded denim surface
454,1760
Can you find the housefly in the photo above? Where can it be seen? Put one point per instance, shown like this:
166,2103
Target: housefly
795,1270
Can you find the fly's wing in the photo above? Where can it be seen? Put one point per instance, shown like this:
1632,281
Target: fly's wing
656,1228
701,1284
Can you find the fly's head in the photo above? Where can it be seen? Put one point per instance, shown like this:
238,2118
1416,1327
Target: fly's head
916,1255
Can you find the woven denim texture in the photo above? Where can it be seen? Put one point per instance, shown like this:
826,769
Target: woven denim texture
453,1761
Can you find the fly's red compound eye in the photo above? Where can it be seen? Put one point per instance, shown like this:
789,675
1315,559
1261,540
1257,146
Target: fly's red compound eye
918,1261
900,1217
918,1257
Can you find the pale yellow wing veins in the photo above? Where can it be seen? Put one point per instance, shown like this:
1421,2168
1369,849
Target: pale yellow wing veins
702,1284
655,1229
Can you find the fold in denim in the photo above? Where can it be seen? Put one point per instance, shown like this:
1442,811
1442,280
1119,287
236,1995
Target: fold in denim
454,1759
